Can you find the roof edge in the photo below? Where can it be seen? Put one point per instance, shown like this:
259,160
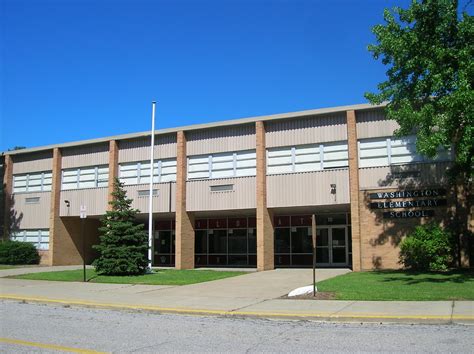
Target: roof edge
224,123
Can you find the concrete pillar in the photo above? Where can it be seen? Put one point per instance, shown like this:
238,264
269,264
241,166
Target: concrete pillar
354,189
265,242
55,224
113,167
184,220
7,195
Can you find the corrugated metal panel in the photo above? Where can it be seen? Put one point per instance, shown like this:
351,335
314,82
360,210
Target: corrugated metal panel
161,203
331,127
90,155
372,124
221,140
41,161
95,200
31,216
411,175
242,196
307,189
139,149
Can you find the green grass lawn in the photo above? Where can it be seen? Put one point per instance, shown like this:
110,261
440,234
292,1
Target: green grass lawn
6,266
160,277
401,285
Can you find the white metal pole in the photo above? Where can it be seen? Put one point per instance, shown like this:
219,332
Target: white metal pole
150,199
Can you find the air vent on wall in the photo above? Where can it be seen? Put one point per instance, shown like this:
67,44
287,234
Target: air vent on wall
222,188
32,200
146,192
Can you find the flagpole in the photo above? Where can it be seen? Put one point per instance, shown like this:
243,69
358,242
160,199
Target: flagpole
150,196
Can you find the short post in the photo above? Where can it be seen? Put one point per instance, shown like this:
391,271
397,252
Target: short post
313,235
83,215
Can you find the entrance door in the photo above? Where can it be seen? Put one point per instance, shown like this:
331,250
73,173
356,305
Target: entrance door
331,246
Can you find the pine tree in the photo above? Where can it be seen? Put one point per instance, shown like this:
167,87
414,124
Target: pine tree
123,243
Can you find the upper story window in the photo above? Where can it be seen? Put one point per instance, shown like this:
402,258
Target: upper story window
32,182
223,165
304,158
393,151
139,172
85,177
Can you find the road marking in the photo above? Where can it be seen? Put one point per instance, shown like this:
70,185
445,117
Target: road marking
189,311
46,346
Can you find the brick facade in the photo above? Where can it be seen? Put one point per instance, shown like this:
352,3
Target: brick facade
7,194
184,219
113,166
265,243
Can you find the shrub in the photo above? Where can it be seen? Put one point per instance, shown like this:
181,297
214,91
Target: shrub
427,248
123,243
15,252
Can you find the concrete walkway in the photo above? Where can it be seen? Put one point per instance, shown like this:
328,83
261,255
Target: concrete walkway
253,294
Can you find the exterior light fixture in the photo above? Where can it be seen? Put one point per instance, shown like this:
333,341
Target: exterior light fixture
333,188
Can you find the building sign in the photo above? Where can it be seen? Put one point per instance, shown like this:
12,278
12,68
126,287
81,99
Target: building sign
408,194
408,204
408,214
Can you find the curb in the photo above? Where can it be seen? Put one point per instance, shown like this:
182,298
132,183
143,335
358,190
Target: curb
326,317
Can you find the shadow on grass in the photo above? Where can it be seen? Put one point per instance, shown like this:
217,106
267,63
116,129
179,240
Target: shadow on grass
414,277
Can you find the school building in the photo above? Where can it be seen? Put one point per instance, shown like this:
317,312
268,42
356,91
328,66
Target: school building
239,193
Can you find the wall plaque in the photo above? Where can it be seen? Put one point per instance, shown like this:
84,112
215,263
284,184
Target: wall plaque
409,194
408,204
408,214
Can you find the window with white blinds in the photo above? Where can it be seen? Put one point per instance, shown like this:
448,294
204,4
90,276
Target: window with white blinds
32,182
139,172
223,165
40,238
85,177
394,151
305,158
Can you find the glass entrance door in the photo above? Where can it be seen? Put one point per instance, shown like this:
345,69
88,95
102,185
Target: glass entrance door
331,246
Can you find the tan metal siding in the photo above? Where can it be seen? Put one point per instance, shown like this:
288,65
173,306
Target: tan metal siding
382,177
307,189
161,203
200,197
220,140
139,149
331,127
95,200
37,162
81,156
372,124
31,216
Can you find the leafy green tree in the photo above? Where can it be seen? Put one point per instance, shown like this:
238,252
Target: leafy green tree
123,243
429,51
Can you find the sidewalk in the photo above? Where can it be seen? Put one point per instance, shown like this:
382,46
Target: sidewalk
254,294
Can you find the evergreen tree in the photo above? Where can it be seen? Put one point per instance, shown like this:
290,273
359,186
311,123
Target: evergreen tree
123,243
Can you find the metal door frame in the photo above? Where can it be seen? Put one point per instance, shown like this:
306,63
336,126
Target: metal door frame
330,247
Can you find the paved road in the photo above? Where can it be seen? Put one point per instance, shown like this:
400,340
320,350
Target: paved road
118,331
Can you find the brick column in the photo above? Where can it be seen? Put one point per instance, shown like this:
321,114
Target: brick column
354,189
7,194
265,243
184,220
55,224
113,167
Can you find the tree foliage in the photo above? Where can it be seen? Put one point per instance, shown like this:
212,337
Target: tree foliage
123,243
429,51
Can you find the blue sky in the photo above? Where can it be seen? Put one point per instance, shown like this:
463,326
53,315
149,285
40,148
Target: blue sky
75,70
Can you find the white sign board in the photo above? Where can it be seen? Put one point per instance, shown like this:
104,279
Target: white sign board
83,212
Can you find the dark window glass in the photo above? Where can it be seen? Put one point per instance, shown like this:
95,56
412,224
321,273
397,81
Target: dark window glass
200,241
283,260
302,260
217,241
252,234
322,255
238,260
238,241
301,240
218,259
322,239
339,255
163,242
339,237
282,240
